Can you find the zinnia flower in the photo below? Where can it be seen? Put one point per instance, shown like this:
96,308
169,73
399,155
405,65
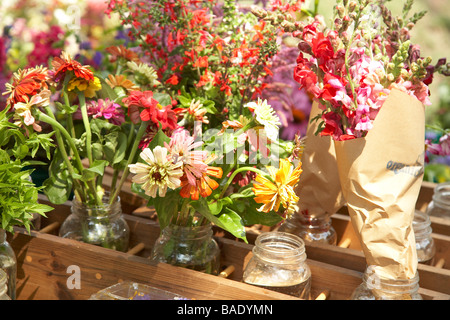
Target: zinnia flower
143,73
151,110
122,52
265,116
182,146
119,81
23,110
159,172
107,109
281,190
26,83
87,87
203,186
64,64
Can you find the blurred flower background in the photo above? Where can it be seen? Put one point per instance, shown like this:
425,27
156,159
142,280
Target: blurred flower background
32,31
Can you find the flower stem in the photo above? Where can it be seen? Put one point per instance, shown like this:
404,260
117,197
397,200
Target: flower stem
87,127
140,133
230,179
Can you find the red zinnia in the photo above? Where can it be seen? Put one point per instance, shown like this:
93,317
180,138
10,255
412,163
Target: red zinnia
26,83
63,64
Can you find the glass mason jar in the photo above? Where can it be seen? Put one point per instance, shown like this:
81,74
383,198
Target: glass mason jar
317,229
8,264
4,286
374,287
191,247
440,203
424,242
101,225
279,264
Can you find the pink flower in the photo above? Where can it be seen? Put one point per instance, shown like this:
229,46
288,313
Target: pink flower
107,109
182,147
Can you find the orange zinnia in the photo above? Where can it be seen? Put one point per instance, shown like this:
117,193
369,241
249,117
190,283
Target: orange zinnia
26,83
122,52
203,186
280,190
62,65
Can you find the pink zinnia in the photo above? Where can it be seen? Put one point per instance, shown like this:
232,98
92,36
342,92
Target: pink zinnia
107,109
182,146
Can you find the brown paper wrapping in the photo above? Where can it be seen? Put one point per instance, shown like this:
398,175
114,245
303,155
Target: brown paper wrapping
319,190
380,176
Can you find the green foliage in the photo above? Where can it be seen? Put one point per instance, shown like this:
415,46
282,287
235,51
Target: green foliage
18,195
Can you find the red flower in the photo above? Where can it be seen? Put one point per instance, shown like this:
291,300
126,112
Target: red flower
307,78
63,64
322,48
173,80
142,106
26,83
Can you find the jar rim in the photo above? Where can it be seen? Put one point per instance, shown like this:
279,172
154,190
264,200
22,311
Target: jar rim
280,243
442,193
108,210
394,286
421,222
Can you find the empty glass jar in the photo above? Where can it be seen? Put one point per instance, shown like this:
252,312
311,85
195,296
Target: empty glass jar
279,264
440,203
424,242
374,287
317,229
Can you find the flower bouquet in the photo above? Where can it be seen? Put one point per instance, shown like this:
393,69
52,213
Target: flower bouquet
364,74
91,131
214,157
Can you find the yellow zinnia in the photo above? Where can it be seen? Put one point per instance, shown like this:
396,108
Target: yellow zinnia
88,87
280,190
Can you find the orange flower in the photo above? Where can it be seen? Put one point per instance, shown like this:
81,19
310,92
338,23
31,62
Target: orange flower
122,52
204,186
26,83
62,65
281,190
120,81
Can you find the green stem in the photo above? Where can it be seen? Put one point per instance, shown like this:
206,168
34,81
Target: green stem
230,179
87,127
140,133
60,130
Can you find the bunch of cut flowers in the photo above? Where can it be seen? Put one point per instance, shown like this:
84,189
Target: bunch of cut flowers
220,160
351,67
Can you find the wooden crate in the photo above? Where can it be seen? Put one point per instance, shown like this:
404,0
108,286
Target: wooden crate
43,259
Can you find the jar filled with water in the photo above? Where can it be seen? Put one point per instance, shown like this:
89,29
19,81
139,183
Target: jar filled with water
279,264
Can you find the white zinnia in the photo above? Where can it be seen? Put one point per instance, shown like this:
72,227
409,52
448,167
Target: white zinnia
266,116
159,173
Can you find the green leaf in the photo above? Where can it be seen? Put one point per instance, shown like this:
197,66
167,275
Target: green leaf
228,220
163,98
58,186
167,207
158,140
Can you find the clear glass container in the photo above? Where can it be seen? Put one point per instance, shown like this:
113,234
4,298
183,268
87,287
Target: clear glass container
425,246
317,229
101,225
4,286
189,247
279,264
439,206
128,290
374,287
8,263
